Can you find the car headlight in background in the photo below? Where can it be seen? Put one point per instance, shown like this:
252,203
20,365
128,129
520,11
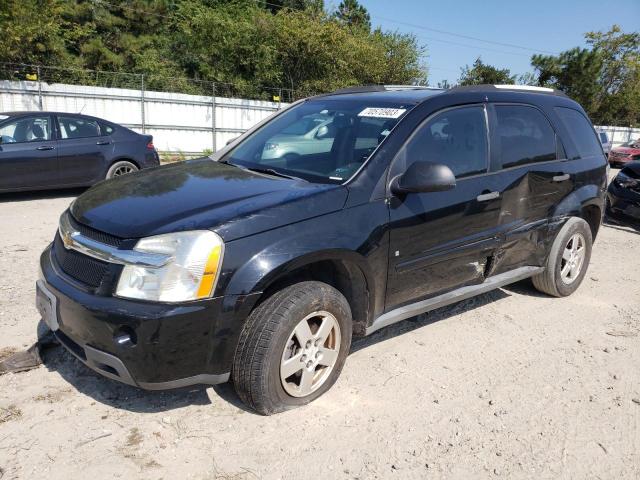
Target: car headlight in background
191,272
270,146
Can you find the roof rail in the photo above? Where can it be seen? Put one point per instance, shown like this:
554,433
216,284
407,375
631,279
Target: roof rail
379,88
522,88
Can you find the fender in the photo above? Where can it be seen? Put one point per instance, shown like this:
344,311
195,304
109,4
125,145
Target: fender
252,264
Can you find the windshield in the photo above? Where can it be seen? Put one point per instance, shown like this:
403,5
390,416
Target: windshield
322,140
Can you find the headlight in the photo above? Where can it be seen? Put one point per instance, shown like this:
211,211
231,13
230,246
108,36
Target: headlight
190,274
270,146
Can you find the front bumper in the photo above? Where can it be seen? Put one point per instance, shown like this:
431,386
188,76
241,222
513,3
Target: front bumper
173,345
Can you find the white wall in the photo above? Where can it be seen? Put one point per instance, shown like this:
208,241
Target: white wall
178,122
620,135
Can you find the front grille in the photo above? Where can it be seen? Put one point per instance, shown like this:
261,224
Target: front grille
82,268
96,235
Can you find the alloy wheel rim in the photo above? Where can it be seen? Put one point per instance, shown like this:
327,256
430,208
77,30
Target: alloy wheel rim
572,258
310,354
122,170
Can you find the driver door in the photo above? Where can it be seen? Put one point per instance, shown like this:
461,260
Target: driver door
28,153
440,241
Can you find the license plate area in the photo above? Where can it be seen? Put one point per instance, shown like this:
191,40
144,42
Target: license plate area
47,305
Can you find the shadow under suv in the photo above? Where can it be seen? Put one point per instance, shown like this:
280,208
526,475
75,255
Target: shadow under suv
261,268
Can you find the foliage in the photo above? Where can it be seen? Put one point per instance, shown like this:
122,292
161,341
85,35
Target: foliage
482,73
254,45
604,78
354,15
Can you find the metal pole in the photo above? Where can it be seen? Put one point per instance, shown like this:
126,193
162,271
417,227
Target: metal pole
142,100
39,88
213,117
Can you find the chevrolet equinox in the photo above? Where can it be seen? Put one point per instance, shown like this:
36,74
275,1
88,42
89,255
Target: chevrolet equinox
258,264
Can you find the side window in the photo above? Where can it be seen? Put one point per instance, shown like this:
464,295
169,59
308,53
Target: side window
524,136
580,131
106,129
456,138
77,128
26,129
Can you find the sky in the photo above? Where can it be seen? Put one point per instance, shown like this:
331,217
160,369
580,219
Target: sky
540,26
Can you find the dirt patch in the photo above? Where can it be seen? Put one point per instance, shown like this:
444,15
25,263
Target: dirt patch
512,384
10,413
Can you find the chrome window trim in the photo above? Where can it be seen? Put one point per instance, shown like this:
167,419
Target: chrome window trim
74,240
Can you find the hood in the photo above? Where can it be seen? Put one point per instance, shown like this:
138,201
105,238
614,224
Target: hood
202,194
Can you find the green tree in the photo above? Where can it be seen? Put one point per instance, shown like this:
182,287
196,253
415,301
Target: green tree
604,78
354,15
481,73
314,6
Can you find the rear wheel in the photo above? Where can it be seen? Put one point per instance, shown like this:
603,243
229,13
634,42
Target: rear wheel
120,168
568,260
292,347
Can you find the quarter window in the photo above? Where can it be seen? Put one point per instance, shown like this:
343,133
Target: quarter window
456,138
77,128
106,129
580,132
26,129
524,136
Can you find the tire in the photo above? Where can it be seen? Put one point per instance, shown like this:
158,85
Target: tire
121,168
574,235
270,336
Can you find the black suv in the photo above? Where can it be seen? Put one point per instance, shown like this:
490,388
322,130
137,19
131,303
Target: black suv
259,264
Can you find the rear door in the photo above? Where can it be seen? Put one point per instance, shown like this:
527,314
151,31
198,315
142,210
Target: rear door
28,155
443,240
533,176
81,150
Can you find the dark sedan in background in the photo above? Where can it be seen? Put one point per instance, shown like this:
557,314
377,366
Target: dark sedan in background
623,196
41,150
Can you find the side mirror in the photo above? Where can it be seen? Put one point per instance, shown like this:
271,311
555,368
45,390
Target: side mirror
422,177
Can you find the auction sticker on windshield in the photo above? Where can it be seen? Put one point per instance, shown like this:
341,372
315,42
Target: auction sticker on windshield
382,112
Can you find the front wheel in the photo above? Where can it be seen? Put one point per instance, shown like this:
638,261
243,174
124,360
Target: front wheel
292,347
568,260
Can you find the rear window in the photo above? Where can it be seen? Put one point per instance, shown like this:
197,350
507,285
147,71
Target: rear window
580,131
603,137
525,136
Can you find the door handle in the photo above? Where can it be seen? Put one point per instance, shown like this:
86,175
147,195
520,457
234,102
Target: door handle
103,142
488,196
561,178
45,147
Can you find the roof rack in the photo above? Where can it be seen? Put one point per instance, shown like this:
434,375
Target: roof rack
379,88
522,88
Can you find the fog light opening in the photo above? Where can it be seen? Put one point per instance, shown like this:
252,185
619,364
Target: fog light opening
125,337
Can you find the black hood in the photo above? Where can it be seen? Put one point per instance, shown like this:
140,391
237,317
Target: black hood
202,194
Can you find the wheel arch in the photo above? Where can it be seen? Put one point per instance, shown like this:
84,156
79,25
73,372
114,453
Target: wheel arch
123,158
345,271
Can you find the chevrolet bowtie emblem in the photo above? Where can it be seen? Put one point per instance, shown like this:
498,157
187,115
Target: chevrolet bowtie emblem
67,241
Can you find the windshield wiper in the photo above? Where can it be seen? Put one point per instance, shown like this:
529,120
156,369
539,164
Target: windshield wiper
271,171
